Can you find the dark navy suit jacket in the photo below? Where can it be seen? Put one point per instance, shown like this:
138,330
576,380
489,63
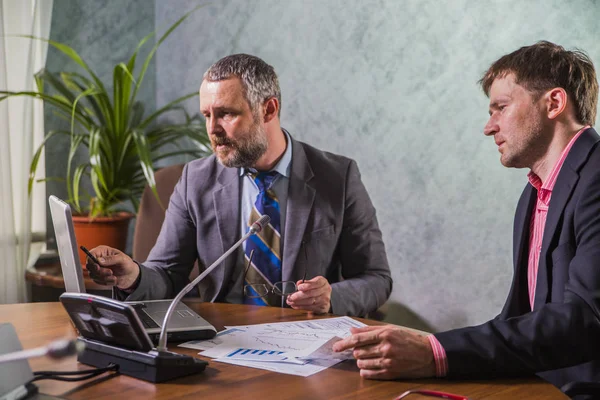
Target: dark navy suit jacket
560,338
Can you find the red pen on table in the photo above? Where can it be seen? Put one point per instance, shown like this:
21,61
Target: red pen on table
433,393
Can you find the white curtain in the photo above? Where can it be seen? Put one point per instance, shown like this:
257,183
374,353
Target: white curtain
21,132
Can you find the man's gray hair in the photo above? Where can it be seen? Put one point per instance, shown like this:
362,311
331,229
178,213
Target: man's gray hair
259,80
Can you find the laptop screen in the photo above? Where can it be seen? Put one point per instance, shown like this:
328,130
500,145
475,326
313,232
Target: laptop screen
67,245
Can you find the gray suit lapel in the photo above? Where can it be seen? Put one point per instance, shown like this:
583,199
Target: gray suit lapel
226,197
299,204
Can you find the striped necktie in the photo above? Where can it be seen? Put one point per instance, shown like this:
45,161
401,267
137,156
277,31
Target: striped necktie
266,262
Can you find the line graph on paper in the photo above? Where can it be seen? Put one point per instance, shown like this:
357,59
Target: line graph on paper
279,343
341,325
286,340
283,343
312,335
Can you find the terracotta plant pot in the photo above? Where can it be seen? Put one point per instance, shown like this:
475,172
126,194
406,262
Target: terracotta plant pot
109,231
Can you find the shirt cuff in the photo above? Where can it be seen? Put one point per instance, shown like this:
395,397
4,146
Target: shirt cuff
439,356
135,283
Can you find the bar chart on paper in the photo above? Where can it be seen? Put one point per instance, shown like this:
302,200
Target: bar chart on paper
256,355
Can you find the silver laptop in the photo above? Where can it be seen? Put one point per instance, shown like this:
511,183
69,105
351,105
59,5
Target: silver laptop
184,325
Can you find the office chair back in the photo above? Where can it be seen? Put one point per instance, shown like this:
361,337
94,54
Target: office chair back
151,215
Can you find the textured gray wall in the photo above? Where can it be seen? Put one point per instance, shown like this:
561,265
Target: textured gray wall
104,33
392,84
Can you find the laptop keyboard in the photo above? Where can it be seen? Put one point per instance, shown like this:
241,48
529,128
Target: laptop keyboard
147,322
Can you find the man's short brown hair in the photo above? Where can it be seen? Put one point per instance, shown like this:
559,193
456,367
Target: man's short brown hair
544,66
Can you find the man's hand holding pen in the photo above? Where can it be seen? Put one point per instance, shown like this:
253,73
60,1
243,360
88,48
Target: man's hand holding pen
108,266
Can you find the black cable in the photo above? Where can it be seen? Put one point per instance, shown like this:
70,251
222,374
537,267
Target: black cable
109,367
64,379
64,375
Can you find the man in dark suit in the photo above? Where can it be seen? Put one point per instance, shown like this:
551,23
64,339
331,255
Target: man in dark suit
323,236
542,103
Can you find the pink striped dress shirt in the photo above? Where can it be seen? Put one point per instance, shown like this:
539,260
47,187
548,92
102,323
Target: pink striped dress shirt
539,214
536,234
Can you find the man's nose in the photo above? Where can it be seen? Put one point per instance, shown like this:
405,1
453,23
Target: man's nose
212,126
491,128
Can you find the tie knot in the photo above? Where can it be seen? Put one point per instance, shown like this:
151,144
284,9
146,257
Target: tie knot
264,180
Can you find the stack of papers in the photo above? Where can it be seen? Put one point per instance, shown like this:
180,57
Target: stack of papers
300,348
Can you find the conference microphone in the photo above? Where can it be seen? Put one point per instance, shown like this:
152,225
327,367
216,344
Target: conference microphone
255,228
15,373
55,350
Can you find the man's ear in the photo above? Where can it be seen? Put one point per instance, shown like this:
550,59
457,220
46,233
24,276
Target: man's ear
271,109
556,102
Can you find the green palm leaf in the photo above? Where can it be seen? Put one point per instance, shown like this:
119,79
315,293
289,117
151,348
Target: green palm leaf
123,143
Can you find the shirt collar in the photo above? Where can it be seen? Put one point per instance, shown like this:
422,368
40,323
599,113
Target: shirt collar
545,189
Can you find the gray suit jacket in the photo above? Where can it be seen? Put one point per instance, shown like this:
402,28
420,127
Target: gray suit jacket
328,211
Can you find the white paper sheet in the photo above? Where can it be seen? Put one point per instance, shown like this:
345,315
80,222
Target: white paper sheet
298,348
210,343
340,325
293,343
325,352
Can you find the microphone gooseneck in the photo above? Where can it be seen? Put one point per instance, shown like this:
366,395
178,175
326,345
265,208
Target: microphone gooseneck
55,350
256,227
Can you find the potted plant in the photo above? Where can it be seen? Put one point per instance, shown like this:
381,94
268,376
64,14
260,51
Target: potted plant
123,142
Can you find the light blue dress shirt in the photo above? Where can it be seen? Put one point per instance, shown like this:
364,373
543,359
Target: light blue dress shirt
248,198
280,187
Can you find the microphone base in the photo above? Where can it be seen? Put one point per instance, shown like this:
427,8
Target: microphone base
152,366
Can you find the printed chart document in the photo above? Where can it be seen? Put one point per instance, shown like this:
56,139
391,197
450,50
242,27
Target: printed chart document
299,348
340,325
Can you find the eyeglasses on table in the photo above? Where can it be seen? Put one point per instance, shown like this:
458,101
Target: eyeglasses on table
259,290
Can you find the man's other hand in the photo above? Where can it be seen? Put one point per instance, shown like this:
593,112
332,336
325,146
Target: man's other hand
389,352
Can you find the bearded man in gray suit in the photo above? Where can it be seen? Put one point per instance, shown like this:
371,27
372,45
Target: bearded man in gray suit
328,240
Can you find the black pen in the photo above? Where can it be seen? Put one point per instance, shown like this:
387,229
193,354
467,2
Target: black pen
90,255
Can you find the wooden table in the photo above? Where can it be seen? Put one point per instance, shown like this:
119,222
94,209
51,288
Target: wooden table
47,282
39,323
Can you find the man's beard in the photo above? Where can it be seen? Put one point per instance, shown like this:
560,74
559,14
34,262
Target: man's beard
244,152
